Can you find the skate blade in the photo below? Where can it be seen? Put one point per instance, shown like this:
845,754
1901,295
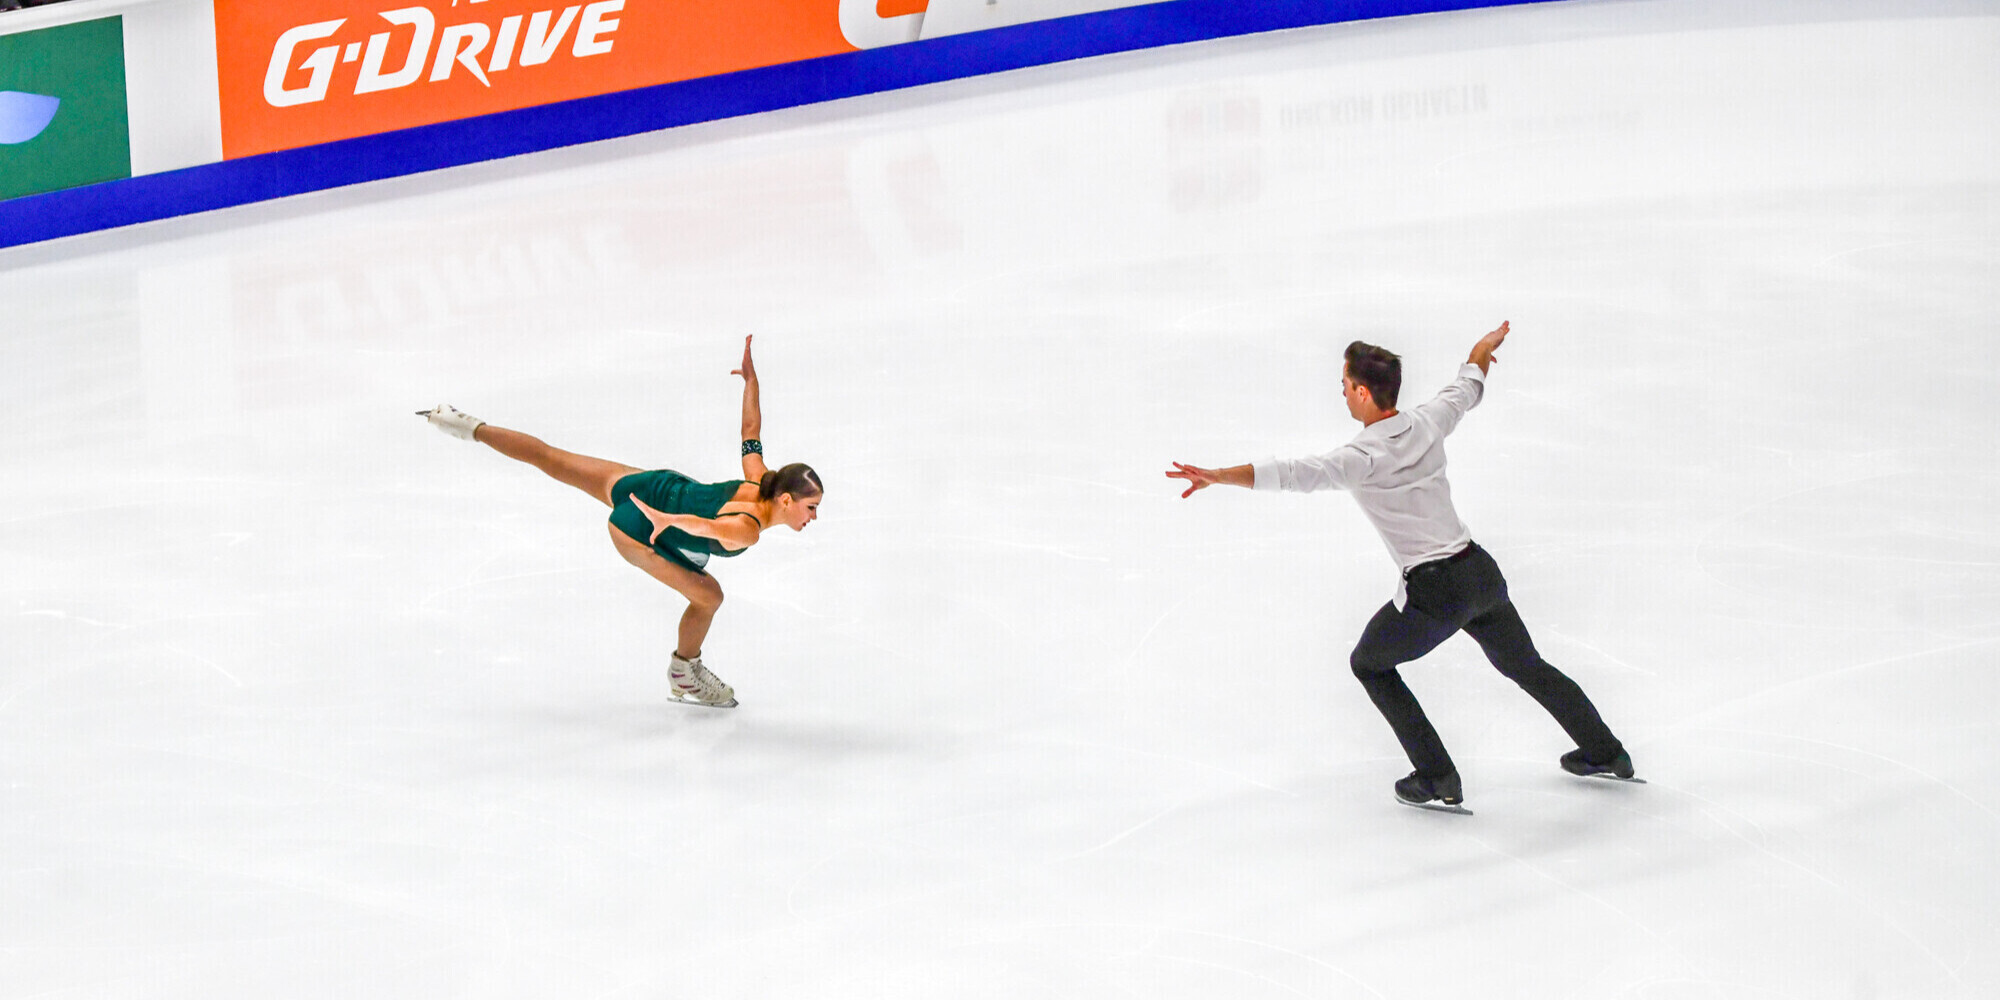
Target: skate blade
678,700
1436,807
1635,780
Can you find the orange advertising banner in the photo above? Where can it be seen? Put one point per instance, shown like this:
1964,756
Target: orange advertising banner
303,72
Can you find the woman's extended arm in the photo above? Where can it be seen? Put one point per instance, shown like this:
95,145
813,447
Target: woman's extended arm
734,531
753,418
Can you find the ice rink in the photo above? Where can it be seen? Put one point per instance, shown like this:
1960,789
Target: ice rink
303,699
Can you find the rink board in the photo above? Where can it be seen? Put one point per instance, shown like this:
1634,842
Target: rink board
208,186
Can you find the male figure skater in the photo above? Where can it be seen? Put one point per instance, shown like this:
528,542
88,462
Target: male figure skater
1396,469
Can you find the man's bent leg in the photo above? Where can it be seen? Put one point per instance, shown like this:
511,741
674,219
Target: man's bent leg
1504,637
1391,639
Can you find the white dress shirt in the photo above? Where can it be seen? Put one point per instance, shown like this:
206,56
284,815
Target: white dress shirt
1395,469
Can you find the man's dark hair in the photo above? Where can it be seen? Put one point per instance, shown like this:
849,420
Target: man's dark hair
1379,370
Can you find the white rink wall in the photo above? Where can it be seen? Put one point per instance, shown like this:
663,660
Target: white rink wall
956,17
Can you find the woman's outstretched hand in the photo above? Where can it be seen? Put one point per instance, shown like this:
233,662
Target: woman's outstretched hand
749,369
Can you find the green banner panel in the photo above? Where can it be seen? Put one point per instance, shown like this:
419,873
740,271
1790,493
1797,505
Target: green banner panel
63,120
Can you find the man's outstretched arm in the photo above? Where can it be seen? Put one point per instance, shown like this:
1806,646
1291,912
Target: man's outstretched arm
1482,352
1199,479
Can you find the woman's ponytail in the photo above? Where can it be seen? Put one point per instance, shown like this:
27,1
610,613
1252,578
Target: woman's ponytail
797,479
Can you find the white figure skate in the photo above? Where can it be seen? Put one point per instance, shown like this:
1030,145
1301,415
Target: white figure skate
447,418
697,685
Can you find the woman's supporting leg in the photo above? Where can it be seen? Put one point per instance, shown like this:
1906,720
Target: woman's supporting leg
704,595
594,476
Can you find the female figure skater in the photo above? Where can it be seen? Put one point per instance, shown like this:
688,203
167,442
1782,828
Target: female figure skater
669,525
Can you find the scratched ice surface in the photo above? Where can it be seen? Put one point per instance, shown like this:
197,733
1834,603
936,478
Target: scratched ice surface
303,699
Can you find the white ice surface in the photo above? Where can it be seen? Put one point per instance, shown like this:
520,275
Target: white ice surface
302,699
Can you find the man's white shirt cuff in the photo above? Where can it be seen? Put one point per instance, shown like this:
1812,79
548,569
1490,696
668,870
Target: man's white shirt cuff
1265,475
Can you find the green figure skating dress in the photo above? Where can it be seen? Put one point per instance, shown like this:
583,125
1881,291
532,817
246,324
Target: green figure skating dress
669,491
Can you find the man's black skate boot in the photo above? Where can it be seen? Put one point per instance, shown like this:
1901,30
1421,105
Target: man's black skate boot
1578,762
1417,790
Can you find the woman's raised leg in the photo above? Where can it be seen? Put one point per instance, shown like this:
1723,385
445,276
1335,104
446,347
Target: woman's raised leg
594,476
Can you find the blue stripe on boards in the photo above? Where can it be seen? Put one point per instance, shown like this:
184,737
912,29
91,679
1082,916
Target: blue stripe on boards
447,144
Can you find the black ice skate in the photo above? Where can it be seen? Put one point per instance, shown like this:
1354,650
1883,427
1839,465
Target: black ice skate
1619,767
1437,794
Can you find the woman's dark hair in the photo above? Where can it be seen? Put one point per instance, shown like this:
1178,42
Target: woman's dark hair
798,479
1377,369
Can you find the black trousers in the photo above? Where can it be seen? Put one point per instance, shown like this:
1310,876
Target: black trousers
1465,591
